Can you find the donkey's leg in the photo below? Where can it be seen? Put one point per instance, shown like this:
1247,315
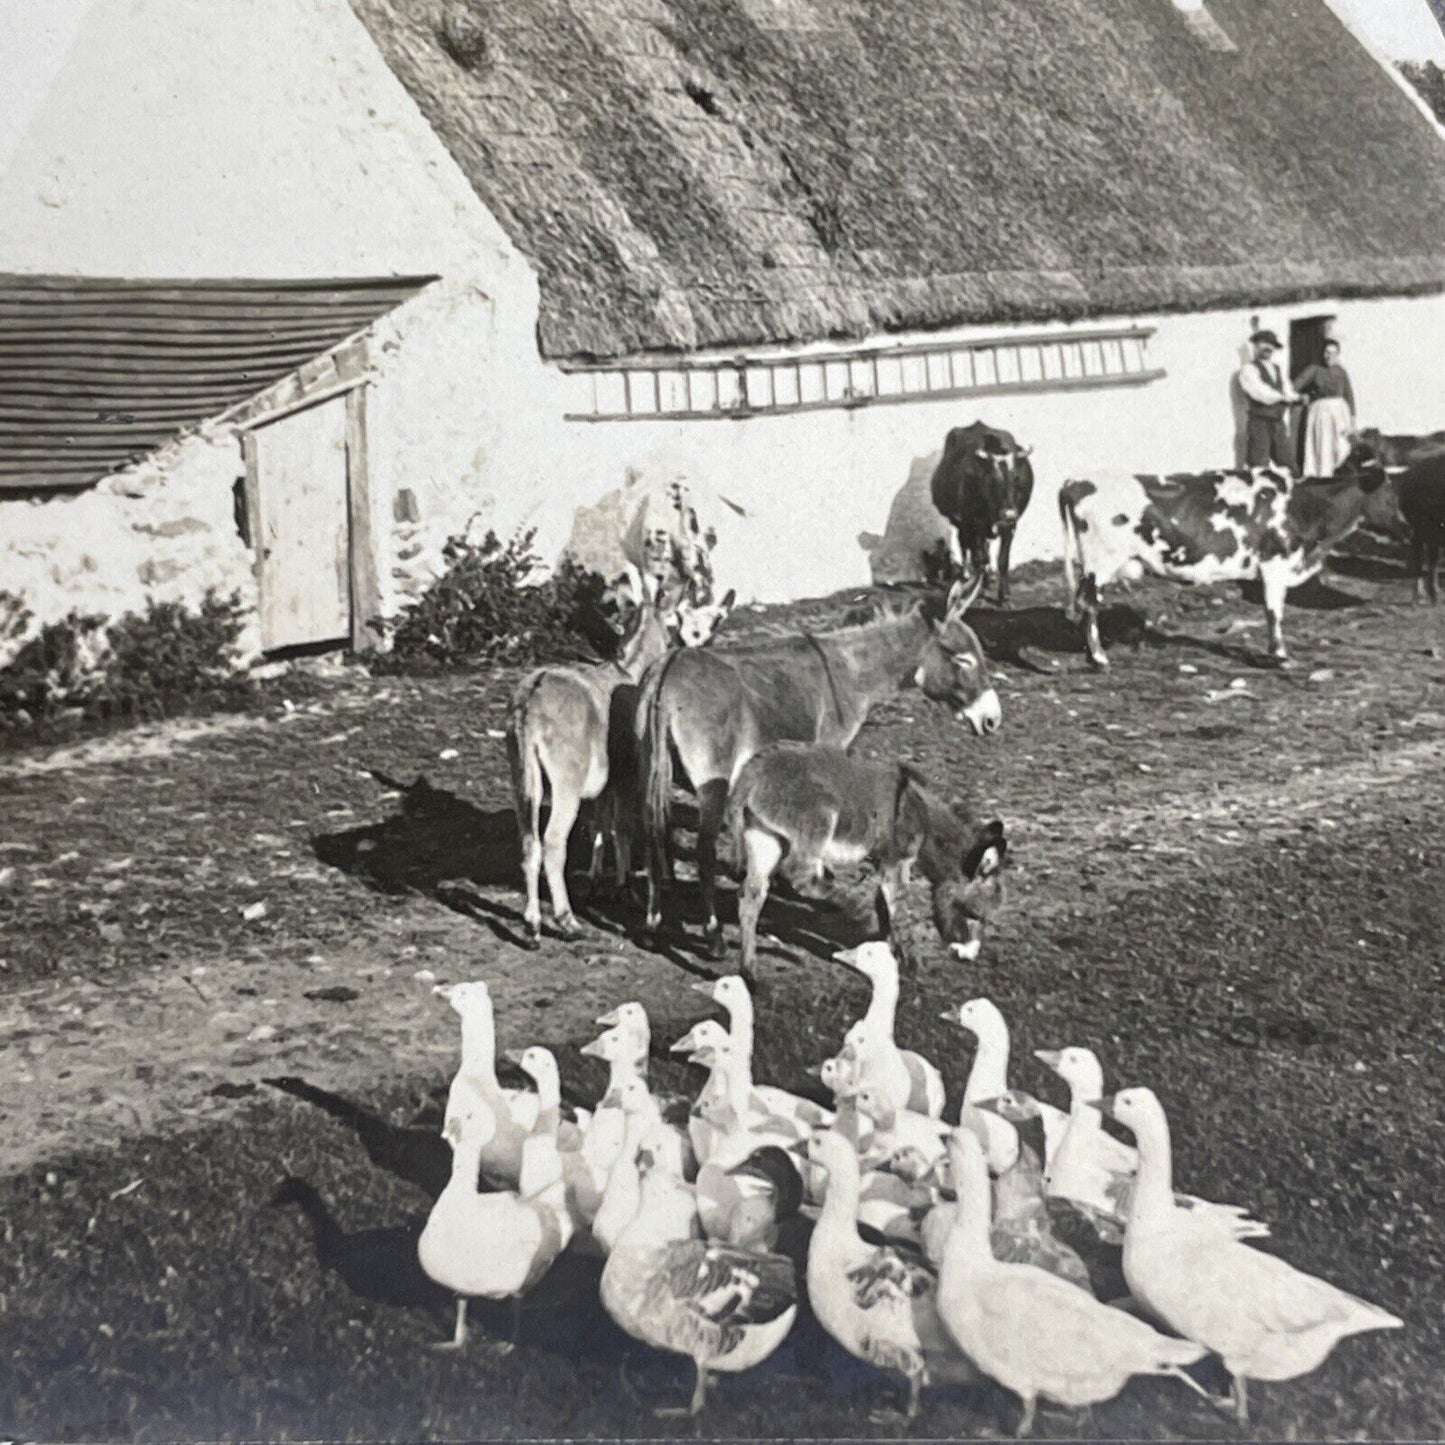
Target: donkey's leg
1417,562
569,778
712,800
527,789
763,851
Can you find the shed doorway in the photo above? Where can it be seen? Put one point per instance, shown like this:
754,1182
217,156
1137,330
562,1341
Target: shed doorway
306,494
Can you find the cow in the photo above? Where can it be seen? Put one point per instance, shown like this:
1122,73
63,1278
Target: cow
982,485
1417,467
1221,526
665,539
808,808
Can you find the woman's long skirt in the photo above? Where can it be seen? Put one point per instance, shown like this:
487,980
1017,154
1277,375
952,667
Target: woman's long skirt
1327,436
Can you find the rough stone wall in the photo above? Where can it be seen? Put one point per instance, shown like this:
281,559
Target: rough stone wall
164,530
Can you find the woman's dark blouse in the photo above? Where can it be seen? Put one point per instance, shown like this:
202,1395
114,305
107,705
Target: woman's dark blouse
1318,382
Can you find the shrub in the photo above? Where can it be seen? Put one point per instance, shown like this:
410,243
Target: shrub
143,664
485,608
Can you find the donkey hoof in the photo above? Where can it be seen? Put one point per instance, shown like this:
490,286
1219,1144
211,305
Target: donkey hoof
716,945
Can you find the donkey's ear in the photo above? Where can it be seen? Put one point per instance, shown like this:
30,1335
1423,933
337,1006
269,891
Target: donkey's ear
986,856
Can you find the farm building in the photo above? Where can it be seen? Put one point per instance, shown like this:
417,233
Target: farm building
294,289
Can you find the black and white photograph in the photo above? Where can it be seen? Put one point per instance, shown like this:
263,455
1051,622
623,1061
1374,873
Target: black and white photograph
722,719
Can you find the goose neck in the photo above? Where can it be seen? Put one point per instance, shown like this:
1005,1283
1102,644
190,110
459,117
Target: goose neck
741,1027
988,1077
882,1014
479,1043
1154,1191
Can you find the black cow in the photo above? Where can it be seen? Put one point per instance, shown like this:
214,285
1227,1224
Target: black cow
982,485
1417,468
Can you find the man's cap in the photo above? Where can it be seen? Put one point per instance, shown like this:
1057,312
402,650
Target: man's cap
1260,338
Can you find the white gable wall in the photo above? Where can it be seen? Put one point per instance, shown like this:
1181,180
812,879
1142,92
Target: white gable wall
256,138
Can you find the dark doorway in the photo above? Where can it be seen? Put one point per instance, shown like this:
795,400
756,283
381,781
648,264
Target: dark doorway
1307,338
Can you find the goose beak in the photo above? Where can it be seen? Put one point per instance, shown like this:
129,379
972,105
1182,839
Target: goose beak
513,1056
592,1050
1105,1105
608,1020
609,1100
684,1044
1049,1057
989,1106
949,1016
848,956
705,989
814,1072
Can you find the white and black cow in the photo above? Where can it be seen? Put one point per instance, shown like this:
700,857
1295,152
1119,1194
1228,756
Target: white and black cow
1226,526
981,485
670,538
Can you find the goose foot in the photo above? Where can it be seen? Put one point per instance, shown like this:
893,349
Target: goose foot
459,1337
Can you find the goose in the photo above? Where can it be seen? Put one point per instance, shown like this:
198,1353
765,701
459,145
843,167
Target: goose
908,1078
603,1137
631,1019
514,1111
730,1126
878,1302
896,1129
582,1177
988,1078
643,1128
1096,1171
726,1309
732,992
1023,1229
1263,1317
494,1246
1037,1334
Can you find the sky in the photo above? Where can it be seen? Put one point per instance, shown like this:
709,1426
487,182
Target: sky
36,34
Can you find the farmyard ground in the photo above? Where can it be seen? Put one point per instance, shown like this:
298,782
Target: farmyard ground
1230,891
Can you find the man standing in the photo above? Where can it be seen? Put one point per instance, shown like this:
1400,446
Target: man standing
1268,397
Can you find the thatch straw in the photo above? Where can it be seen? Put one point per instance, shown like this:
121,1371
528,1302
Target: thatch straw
690,173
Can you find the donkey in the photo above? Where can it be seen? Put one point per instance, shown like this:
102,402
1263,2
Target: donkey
569,734
814,808
714,709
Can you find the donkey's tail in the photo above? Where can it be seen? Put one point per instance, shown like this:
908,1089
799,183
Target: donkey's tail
528,781
654,755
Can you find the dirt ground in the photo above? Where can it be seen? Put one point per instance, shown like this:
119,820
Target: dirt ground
1225,879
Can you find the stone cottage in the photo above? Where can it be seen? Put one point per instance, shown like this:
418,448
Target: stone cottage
526,251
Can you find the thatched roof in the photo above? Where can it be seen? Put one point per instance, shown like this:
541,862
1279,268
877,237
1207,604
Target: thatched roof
688,173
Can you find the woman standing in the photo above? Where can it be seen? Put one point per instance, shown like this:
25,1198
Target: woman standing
1331,416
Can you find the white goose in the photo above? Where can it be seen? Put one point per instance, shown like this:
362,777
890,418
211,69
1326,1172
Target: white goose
907,1078
643,1128
475,1083
879,1303
726,1309
1265,1319
632,1021
494,1246
1037,1334
730,1126
584,1180
1093,1169
988,1078
602,1139
732,992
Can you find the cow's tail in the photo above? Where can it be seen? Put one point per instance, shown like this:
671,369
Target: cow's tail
1069,497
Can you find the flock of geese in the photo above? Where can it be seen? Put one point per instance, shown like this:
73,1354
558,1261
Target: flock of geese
1026,1244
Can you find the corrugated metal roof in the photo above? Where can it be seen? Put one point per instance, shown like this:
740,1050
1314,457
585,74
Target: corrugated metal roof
97,373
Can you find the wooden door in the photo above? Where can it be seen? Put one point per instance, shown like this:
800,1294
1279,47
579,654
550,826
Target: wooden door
304,538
